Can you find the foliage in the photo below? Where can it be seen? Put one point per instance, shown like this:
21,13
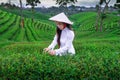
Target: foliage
117,4
103,16
32,2
93,60
65,2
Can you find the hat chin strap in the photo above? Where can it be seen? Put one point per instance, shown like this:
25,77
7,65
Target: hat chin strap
64,25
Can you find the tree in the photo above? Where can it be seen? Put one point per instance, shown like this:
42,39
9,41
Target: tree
65,2
117,5
9,3
98,8
2,4
106,5
101,13
21,10
32,3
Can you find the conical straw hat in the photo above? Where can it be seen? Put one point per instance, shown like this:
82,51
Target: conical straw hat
61,18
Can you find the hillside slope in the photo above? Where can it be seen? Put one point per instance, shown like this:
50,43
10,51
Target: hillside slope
28,14
10,28
87,20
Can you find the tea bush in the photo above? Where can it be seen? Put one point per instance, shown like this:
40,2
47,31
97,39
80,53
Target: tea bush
93,60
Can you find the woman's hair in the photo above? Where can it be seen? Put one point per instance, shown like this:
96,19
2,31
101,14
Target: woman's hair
59,33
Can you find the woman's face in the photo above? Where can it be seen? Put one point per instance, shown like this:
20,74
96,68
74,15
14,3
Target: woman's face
60,25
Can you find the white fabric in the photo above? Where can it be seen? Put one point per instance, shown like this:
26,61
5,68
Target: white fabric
61,18
67,37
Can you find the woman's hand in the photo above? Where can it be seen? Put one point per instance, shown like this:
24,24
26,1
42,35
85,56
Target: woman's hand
46,49
52,52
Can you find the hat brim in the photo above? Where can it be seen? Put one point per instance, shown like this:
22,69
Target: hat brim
61,18
71,23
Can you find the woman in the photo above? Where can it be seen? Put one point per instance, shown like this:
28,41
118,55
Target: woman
64,36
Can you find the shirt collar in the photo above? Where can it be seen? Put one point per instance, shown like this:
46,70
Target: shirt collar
65,29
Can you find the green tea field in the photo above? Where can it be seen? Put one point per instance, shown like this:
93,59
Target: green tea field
21,49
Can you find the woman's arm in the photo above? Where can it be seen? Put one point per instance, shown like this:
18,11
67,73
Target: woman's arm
54,43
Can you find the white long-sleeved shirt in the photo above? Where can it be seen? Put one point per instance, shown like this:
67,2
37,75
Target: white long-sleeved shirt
66,45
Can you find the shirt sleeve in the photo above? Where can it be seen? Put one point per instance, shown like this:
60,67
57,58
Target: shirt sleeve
54,43
69,41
